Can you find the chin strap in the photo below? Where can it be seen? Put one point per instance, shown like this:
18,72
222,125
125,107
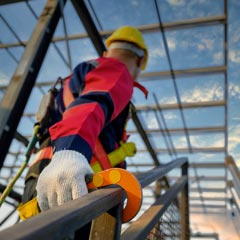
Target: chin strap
141,88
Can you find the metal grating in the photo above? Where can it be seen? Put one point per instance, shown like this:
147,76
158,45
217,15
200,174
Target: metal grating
168,226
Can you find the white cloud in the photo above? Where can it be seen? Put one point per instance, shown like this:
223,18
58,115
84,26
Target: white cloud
205,43
170,116
157,53
217,57
4,80
208,43
233,138
233,143
152,124
234,90
203,94
218,142
185,44
200,46
234,56
235,36
207,141
176,2
135,3
203,1
168,100
180,142
206,93
236,157
171,43
238,163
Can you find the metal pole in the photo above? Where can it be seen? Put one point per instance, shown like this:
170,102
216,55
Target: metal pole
235,173
184,207
23,80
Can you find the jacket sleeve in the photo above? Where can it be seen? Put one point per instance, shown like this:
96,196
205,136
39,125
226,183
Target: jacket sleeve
108,89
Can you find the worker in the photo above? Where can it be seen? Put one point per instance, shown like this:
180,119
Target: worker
92,107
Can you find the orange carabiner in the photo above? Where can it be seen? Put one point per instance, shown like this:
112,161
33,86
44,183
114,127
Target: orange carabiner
128,182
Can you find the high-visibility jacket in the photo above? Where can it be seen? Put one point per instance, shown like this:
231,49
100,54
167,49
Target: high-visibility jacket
90,113
94,103
100,91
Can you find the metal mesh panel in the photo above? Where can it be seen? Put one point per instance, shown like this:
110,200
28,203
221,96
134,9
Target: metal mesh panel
10,169
168,227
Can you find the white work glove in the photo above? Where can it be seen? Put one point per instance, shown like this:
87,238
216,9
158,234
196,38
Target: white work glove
63,179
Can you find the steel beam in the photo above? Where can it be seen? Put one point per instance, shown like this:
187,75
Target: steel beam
193,179
160,75
205,235
186,150
208,165
188,23
198,130
232,166
5,2
144,135
219,212
207,206
147,178
89,25
214,190
209,199
184,73
234,200
173,106
206,21
226,85
191,165
184,205
23,80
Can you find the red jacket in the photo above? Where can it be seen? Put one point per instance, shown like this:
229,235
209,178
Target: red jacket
100,90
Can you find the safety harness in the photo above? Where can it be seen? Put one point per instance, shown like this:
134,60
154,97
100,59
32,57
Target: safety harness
100,160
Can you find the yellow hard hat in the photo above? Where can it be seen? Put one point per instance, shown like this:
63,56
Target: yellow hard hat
132,35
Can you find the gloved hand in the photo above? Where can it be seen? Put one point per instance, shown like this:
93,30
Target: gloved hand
63,179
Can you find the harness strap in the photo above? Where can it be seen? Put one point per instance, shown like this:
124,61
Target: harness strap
100,156
100,160
141,88
67,94
44,153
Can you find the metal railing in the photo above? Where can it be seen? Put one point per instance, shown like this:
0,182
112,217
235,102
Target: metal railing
231,165
104,208
234,183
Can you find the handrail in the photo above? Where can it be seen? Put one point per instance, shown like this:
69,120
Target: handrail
139,230
231,164
152,175
62,221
